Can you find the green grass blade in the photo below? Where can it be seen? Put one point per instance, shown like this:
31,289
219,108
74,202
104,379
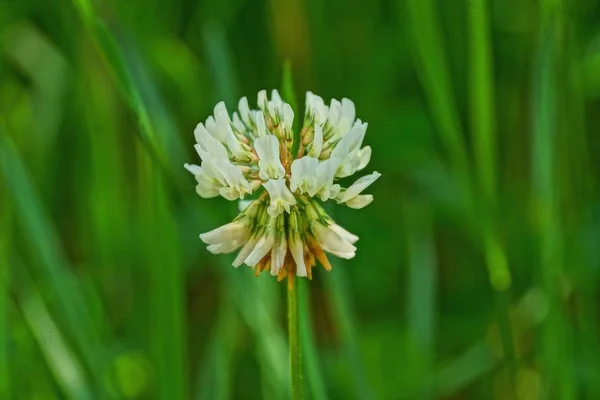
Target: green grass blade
295,352
555,343
578,192
483,121
157,128
51,263
477,361
342,309
221,63
5,246
310,357
61,360
431,63
529,312
422,283
164,268
260,315
46,67
289,93
214,377
482,104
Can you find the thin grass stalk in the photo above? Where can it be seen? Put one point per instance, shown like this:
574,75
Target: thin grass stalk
556,335
167,344
422,288
338,291
431,61
306,340
310,357
5,246
213,380
578,186
66,368
297,378
483,126
482,113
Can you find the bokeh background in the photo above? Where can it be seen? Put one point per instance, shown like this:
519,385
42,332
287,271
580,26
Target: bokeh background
477,272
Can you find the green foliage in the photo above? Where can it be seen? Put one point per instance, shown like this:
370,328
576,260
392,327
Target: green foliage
477,270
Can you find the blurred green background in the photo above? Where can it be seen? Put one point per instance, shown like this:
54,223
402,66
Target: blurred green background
477,272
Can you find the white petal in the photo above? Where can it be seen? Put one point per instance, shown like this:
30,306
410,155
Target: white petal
243,204
303,174
237,185
267,149
262,99
207,188
364,157
207,157
350,141
193,168
259,119
345,256
335,109
272,109
272,187
357,187
288,116
217,127
316,106
255,184
199,132
230,193
331,241
278,254
214,248
245,252
234,145
211,147
237,123
348,109
232,231
347,236
329,192
221,108
297,251
280,197
263,246
346,168
276,98
360,201
317,144
233,175
224,248
348,113
325,173
297,174
244,110
363,130
211,170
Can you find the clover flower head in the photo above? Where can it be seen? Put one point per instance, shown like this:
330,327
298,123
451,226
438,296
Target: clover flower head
283,228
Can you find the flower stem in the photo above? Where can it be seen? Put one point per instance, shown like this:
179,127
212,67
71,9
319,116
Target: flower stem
294,340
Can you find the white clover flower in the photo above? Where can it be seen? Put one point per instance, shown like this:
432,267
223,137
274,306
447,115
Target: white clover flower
282,228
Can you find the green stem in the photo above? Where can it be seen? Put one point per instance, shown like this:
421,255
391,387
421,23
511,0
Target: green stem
294,339
312,367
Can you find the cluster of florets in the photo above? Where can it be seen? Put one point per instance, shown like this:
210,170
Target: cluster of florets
283,229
